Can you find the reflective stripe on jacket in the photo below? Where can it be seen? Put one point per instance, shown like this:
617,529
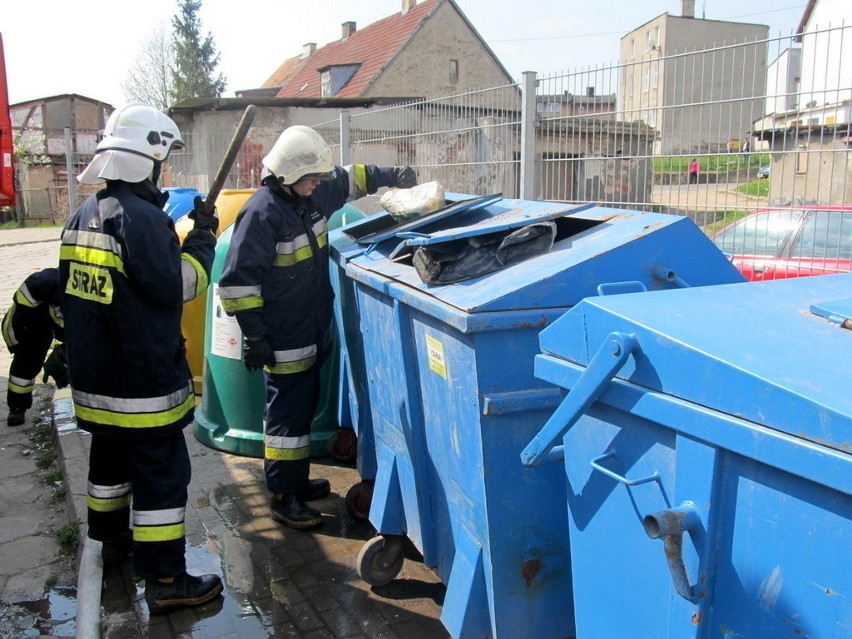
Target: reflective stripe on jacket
124,279
275,280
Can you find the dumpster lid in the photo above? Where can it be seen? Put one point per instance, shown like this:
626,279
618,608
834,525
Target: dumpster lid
507,220
753,350
838,311
594,246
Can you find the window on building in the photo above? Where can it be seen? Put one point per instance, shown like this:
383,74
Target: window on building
647,41
454,70
646,79
632,48
802,159
334,78
655,76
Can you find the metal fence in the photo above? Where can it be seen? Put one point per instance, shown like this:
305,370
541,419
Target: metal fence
765,121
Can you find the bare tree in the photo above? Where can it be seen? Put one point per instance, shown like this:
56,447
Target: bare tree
150,78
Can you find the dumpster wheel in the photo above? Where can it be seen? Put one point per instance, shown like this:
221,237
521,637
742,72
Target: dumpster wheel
358,500
342,446
380,560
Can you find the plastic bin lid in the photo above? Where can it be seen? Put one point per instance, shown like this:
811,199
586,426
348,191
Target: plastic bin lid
753,350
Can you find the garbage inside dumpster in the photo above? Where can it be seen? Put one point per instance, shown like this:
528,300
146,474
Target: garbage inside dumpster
452,396
463,259
707,446
415,202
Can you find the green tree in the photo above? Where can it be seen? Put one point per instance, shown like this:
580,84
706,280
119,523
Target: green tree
194,70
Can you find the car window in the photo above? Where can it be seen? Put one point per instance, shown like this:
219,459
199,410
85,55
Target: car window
825,235
762,234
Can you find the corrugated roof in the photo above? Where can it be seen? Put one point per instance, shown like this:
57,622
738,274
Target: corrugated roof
371,47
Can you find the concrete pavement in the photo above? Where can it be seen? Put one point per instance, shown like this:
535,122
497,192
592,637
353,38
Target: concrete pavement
278,582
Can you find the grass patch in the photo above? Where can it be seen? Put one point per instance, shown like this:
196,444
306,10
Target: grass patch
53,477
51,581
45,460
722,220
68,537
42,436
717,163
59,495
758,188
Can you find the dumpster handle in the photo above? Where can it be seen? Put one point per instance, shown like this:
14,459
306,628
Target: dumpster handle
608,359
596,464
669,275
671,524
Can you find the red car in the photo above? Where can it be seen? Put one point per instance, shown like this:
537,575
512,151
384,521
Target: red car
772,244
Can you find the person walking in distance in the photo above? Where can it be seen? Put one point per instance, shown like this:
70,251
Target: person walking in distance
124,278
30,325
275,281
693,171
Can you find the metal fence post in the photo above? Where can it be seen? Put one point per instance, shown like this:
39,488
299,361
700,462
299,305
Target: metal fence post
345,138
69,171
528,115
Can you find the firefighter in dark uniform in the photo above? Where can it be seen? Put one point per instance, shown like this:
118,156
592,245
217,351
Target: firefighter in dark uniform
275,281
32,323
125,278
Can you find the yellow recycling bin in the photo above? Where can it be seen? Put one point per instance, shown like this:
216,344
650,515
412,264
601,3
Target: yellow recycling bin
228,205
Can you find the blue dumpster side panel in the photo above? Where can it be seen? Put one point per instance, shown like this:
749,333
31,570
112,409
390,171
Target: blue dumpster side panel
474,456
771,493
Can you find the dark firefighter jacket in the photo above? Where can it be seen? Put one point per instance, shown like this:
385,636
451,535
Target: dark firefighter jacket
275,280
35,300
125,278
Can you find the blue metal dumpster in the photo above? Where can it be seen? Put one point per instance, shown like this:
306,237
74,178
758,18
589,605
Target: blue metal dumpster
707,444
453,397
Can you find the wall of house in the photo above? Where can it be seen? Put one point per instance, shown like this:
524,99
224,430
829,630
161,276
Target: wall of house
812,168
826,61
669,62
782,81
443,37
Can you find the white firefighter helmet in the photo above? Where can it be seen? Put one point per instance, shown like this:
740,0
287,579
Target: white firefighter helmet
299,153
135,137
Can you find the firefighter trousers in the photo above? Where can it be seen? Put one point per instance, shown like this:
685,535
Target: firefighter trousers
291,401
151,475
27,361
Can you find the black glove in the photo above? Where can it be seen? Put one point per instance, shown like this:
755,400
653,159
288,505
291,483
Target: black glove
203,218
56,367
257,353
404,177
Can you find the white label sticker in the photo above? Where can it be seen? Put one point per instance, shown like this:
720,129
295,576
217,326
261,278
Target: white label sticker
226,338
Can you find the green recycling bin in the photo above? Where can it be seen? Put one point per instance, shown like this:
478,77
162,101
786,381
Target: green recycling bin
230,417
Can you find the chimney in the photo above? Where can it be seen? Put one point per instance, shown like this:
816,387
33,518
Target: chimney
687,8
348,29
408,5
590,92
309,49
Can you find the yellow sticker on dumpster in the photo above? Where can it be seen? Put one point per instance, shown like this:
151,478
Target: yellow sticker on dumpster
435,352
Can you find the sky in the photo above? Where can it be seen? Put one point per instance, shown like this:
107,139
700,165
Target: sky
87,47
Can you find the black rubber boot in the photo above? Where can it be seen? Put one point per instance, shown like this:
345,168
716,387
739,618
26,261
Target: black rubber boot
117,551
318,488
185,591
17,416
293,512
